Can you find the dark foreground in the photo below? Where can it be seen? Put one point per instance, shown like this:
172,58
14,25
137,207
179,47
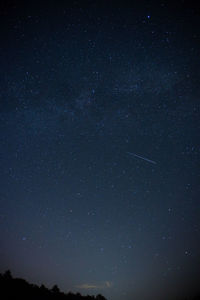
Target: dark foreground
17,288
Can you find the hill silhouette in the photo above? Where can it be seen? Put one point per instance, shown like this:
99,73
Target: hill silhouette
18,288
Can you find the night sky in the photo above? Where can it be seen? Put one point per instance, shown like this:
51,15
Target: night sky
100,146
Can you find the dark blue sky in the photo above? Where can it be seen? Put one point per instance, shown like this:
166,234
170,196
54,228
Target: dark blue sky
92,94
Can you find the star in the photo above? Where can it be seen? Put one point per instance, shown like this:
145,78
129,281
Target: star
100,146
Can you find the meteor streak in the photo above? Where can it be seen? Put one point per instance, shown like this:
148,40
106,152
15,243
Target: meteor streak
141,157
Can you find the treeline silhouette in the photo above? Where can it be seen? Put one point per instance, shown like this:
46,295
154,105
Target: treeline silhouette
18,288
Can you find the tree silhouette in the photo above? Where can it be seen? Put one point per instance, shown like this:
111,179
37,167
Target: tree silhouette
7,275
18,288
100,297
55,289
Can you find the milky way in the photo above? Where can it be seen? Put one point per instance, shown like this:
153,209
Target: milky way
99,110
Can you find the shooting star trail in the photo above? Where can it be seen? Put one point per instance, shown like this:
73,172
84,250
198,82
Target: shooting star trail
141,157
